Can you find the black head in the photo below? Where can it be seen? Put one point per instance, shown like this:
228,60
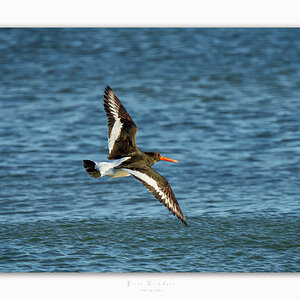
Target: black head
154,157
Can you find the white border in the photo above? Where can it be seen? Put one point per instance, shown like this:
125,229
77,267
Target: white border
155,13
149,286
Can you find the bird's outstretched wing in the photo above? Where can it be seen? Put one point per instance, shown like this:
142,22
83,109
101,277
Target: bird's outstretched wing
121,128
159,187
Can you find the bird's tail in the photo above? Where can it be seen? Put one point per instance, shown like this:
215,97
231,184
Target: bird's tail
91,168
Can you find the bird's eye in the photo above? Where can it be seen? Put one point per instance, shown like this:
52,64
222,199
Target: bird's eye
156,154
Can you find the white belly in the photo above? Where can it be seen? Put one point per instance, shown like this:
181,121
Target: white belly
117,173
108,168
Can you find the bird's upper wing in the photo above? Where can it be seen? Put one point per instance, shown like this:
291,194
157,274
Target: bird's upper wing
159,187
121,128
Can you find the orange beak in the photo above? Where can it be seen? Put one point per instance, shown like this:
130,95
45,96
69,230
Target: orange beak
168,159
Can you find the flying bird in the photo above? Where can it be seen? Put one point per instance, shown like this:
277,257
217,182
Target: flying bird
127,159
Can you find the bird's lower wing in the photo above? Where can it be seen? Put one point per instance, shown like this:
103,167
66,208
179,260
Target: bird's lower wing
159,187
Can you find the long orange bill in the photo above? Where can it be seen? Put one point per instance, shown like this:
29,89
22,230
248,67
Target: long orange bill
168,159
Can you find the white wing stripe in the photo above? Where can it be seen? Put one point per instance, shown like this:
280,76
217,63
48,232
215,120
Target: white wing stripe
117,127
113,109
115,133
151,182
113,106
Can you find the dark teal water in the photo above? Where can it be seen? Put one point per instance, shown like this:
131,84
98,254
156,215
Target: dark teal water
224,102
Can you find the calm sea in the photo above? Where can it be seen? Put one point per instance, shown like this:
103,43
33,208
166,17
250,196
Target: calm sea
224,102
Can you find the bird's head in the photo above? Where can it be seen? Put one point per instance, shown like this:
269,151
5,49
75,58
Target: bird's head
154,157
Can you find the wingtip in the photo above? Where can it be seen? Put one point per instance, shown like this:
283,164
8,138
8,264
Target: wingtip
107,88
107,91
183,220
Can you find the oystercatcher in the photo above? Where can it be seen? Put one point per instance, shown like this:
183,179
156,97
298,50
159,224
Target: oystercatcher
128,159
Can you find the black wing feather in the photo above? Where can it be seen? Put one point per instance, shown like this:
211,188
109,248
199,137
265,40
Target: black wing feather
172,204
126,143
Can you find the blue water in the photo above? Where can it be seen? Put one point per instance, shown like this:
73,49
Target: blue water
224,102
